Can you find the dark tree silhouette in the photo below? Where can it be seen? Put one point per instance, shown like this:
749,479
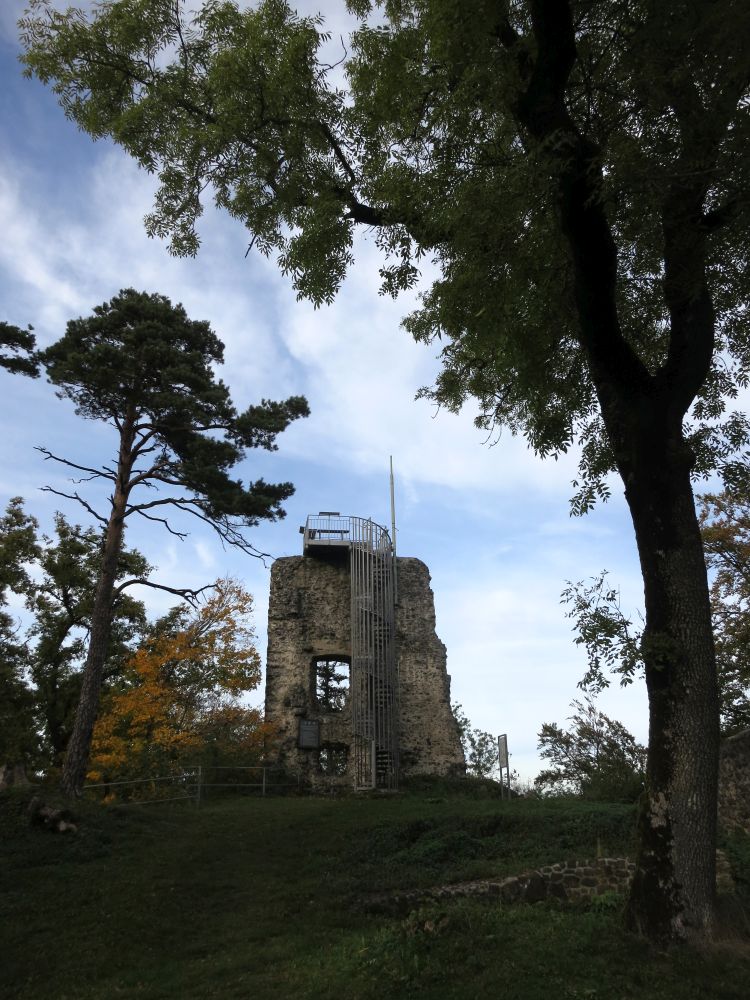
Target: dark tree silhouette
139,364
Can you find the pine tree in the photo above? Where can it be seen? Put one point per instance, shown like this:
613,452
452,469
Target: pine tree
140,365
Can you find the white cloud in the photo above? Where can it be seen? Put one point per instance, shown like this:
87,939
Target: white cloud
206,555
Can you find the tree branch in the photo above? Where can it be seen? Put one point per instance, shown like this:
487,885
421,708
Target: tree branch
81,501
542,110
722,215
138,508
188,594
182,535
228,532
95,473
140,478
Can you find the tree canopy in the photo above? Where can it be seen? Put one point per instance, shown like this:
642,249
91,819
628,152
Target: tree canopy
479,747
17,350
62,605
441,103
19,739
578,174
595,757
613,640
725,524
54,581
142,366
178,699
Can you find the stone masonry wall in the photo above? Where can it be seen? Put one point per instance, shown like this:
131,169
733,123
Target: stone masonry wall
570,881
429,737
309,616
734,782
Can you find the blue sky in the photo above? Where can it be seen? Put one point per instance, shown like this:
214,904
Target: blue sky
491,522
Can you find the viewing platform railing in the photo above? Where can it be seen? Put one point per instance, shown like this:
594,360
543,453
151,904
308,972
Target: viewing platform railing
326,529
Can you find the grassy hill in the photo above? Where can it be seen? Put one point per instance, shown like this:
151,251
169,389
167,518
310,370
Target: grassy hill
266,898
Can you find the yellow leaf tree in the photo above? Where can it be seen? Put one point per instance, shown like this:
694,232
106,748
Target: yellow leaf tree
179,700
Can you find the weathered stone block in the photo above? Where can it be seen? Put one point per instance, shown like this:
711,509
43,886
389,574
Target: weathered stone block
734,782
536,888
510,890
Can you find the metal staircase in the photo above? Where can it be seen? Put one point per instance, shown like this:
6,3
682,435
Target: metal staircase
374,683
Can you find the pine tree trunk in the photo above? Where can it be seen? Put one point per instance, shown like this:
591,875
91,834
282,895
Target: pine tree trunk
673,892
79,745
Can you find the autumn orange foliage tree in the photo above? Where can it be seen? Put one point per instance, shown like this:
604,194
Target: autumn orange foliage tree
178,701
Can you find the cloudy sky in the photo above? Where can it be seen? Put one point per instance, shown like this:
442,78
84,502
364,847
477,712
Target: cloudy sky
490,521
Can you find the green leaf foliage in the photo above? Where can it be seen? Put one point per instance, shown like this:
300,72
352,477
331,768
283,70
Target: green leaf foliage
17,350
41,659
595,757
19,741
62,605
613,643
427,145
139,361
479,747
725,526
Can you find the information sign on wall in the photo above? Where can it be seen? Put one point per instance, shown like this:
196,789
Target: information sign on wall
309,734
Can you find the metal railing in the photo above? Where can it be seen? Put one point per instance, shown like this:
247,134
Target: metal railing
193,783
326,529
265,783
188,778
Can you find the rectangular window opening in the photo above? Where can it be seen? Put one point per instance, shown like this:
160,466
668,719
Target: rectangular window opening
331,679
333,758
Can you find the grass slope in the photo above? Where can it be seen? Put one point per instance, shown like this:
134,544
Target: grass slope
263,898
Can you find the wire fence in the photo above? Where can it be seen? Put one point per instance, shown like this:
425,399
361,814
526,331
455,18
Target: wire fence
192,784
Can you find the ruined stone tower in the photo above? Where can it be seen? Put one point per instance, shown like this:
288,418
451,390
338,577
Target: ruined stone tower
356,679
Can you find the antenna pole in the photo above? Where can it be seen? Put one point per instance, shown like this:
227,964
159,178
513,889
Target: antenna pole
393,538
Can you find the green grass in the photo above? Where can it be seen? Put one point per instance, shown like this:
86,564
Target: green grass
263,898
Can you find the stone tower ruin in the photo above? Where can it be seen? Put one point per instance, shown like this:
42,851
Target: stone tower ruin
356,679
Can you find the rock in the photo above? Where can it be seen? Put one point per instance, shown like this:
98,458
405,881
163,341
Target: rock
58,820
536,888
510,890
556,890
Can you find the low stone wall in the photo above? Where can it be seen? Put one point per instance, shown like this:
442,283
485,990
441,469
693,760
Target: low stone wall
583,879
569,881
734,782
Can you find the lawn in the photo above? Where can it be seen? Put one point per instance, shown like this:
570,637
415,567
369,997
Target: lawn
267,898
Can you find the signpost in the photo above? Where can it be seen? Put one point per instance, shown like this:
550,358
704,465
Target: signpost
504,762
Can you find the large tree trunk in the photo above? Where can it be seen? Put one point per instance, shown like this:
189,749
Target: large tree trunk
79,745
673,891
674,888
